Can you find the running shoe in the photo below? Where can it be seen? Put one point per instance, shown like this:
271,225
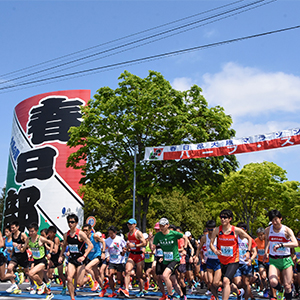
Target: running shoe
95,287
48,284
41,289
183,297
208,292
164,297
146,285
102,293
124,293
21,277
17,291
64,291
33,290
91,281
140,294
17,278
49,296
12,288
241,294
280,295
112,295
212,297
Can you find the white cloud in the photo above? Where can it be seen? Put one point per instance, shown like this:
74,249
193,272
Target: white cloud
182,83
248,91
244,129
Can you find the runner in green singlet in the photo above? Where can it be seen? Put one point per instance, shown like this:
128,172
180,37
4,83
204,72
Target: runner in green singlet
36,243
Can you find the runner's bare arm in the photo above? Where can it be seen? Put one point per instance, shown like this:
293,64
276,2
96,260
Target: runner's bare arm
63,248
83,237
267,244
212,240
25,246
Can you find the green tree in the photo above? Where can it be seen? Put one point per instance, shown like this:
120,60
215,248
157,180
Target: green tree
141,113
251,192
179,210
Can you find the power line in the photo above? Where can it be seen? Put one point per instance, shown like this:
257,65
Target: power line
141,40
153,57
122,38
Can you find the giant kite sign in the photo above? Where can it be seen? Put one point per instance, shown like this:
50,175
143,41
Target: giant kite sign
39,186
279,139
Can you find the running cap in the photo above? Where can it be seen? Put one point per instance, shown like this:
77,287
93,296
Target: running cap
270,223
163,221
131,221
187,233
98,233
156,226
145,234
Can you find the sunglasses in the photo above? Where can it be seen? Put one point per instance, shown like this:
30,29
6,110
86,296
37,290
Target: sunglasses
223,217
71,222
210,229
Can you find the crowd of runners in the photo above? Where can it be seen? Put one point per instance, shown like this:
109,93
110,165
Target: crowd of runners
225,260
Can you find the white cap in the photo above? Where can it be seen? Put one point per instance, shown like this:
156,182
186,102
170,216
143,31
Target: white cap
98,233
187,233
145,235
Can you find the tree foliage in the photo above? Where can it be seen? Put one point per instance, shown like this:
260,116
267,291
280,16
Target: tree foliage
251,192
141,113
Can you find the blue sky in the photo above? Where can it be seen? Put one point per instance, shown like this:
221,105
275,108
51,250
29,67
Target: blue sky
257,81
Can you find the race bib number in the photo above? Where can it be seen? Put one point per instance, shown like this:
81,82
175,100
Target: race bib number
242,252
147,255
210,253
114,256
298,255
35,253
280,250
133,248
168,256
261,252
159,252
17,250
227,251
73,248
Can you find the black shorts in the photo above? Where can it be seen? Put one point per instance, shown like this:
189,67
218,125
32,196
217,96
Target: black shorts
118,267
73,260
182,268
229,270
190,266
41,261
173,266
148,265
54,259
21,260
3,259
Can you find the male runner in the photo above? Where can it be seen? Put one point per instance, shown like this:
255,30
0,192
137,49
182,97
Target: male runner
96,256
18,258
37,243
279,241
135,242
53,263
228,251
263,267
76,240
114,247
167,239
213,265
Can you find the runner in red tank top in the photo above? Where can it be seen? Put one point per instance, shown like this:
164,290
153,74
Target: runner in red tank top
228,251
136,257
